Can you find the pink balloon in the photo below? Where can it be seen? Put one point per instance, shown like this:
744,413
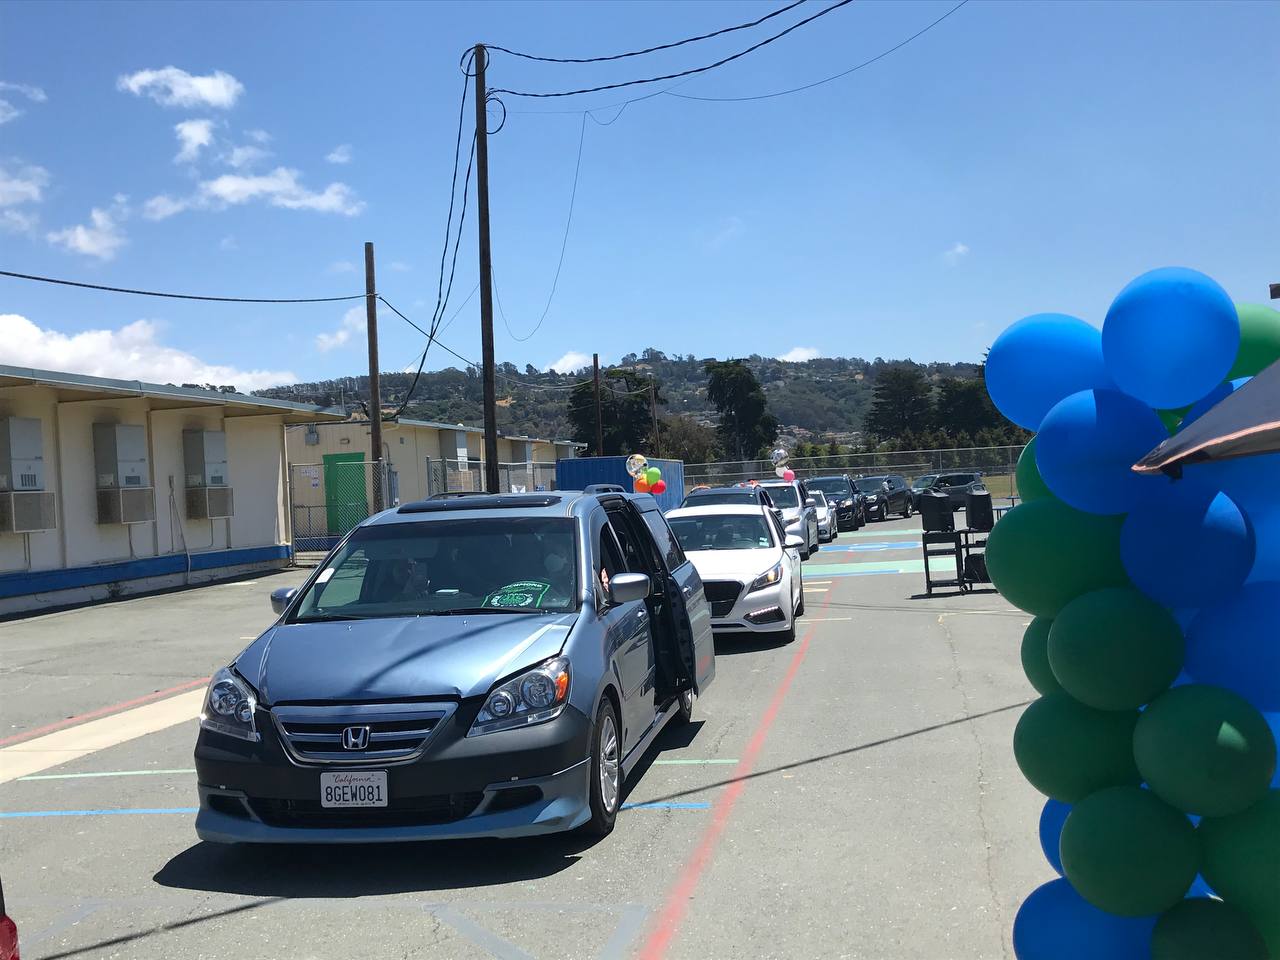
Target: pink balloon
789,476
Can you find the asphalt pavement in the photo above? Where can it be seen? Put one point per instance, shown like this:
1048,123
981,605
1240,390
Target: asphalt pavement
850,794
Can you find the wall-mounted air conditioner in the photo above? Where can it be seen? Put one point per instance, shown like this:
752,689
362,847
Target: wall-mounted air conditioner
25,506
27,511
124,492
209,503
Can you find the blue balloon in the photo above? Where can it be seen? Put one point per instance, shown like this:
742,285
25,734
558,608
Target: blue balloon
1187,548
1273,721
1170,337
1211,400
1252,482
1041,359
1052,817
1055,923
1234,645
1087,445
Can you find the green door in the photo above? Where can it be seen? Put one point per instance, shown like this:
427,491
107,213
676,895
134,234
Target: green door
345,500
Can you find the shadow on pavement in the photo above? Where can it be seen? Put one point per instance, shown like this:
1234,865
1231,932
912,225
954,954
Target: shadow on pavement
94,948
732,644
364,870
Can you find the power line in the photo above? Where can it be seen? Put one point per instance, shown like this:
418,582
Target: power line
684,73
175,296
639,53
564,243
818,83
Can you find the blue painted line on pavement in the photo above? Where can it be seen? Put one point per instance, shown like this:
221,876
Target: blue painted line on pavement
666,806
874,547
95,813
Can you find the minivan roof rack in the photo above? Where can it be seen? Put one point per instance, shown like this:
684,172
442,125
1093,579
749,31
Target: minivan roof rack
497,501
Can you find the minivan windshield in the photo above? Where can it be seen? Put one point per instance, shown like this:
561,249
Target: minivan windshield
439,567
784,496
836,487
722,532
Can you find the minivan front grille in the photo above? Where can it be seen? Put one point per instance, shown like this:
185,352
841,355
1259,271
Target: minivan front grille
400,812
722,595
359,734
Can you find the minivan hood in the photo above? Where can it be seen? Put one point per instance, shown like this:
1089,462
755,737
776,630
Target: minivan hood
397,658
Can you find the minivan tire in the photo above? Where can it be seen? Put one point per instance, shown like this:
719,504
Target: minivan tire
602,818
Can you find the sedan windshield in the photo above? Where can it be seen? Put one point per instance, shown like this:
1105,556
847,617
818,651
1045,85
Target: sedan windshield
722,532
836,487
784,496
870,484
438,567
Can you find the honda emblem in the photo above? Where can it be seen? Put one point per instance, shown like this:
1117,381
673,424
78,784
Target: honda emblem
355,738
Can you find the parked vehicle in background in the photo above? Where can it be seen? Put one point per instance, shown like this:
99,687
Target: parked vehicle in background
750,568
799,517
828,528
850,503
487,666
918,486
957,486
886,494
8,932
751,493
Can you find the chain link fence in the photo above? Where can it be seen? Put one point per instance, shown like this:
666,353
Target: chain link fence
996,464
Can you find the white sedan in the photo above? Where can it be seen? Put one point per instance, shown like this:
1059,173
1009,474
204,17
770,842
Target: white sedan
750,568
828,526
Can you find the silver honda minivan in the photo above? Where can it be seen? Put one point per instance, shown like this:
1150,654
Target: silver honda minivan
483,666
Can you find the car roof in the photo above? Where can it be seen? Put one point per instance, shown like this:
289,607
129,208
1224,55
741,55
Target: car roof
706,491
718,510
553,503
830,476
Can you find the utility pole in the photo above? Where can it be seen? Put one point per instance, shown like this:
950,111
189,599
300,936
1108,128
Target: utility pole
595,375
375,387
491,481
653,408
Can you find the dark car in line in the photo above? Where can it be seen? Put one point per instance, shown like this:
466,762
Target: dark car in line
849,501
957,486
887,493
489,666
918,486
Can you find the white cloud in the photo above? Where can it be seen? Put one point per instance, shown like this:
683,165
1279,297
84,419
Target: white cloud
342,266
246,156
258,136
21,186
800,354
171,87
280,188
228,243
162,207
192,135
399,266
957,252
571,361
132,352
340,154
7,110
101,237
353,321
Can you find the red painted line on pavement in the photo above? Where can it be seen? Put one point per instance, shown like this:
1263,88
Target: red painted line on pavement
677,905
101,712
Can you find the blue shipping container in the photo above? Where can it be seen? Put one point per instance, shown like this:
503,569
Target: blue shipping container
579,472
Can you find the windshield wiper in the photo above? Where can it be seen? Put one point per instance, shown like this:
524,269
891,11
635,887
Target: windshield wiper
325,617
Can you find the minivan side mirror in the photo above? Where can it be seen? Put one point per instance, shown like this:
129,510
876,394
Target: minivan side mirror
625,587
281,597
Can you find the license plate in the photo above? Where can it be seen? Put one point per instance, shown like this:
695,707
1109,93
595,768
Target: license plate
366,788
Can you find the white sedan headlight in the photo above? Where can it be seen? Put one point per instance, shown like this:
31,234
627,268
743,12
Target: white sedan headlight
229,706
767,579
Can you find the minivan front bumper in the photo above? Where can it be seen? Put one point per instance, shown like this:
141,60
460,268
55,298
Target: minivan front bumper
513,783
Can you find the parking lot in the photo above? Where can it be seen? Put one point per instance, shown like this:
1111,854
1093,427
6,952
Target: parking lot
851,794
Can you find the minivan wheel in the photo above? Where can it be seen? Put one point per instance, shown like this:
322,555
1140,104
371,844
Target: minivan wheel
605,792
906,511
684,713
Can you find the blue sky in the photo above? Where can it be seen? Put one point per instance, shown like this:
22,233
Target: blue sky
1020,157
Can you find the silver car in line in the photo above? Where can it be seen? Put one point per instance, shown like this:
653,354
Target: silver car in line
488,666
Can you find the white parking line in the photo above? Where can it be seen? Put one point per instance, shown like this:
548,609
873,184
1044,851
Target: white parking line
53,749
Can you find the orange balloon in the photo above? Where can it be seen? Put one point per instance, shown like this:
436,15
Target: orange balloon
642,485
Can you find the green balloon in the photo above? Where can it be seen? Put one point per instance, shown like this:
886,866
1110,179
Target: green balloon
1027,477
1172,419
1242,863
1115,649
1035,656
1259,340
1205,750
1043,554
1067,750
653,475
1128,852
1202,927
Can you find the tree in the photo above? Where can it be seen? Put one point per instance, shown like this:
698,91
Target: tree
684,438
627,422
901,403
746,426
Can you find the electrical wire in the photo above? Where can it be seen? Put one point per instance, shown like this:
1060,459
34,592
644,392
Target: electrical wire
564,243
176,296
683,73
818,83
640,53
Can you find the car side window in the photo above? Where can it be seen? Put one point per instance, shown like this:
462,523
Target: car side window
779,533
662,536
631,557
608,561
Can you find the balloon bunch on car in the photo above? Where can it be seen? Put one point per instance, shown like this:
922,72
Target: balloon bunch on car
780,459
1155,646
646,479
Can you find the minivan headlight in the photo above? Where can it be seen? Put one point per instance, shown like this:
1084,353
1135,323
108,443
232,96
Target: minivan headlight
533,697
229,706
767,579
